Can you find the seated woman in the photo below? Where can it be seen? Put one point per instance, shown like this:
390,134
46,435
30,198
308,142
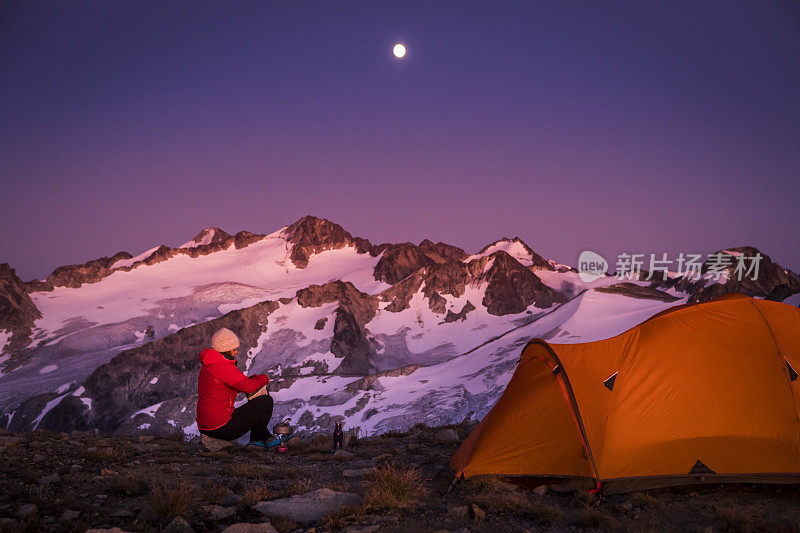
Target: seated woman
218,385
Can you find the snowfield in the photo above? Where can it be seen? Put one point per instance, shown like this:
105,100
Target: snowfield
413,365
465,385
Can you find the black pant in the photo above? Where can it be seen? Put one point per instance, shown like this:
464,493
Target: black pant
252,416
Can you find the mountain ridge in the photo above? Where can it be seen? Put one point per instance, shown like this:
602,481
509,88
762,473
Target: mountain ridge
429,331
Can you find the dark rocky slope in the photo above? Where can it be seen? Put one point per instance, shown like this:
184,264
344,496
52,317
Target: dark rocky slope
17,310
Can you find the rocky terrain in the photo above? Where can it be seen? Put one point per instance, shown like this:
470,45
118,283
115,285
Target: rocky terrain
81,481
380,336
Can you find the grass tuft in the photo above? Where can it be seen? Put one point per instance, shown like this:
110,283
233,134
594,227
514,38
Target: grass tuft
596,518
215,493
644,499
518,503
301,486
248,470
256,494
395,488
172,501
486,484
735,517
344,517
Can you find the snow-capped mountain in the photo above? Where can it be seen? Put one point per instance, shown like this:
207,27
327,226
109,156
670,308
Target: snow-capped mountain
380,336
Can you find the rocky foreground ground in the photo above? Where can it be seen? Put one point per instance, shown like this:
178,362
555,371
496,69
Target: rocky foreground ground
394,482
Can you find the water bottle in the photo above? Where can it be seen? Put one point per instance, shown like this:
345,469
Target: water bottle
338,437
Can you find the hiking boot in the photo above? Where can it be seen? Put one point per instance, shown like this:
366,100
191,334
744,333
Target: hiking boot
268,444
215,445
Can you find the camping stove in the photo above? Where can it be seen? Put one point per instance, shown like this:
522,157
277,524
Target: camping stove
283,433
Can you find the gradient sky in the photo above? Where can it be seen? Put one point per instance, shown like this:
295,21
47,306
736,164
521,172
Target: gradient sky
612,126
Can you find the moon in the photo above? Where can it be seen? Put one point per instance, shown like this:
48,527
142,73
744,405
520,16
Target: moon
399,50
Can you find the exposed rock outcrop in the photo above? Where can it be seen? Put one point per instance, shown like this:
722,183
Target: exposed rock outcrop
362,306
209,236
399,262
399,295
17,310
441,252
511,286
311,235
461,315
75,275
350,342
350,338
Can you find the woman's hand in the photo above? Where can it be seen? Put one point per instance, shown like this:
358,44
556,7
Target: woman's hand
260,392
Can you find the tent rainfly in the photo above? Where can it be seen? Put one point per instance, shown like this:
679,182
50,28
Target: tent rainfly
699,393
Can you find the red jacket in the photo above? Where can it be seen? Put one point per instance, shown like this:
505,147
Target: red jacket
219,383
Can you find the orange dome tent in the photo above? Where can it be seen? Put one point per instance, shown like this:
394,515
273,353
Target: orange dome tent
699,393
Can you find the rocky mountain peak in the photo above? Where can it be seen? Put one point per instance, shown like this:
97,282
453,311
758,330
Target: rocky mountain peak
442,252
206,237
773,282
400,261
518,249
512,287
311,235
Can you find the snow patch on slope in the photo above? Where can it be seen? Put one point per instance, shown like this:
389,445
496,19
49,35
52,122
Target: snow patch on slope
513,247
124,263
149,411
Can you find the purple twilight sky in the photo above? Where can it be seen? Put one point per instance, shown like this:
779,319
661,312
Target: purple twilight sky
612,126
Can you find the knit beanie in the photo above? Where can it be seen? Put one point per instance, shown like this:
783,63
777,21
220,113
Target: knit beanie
224,340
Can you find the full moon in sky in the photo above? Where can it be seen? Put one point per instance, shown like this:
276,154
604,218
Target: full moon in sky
399,50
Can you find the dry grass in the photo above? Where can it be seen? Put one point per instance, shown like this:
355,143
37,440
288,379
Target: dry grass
320,457
283,524
256,494
301,486
344,517
736,517
248,470
596,518
644,499
215,493
395,488
172,501
317,444
518,503
486,484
